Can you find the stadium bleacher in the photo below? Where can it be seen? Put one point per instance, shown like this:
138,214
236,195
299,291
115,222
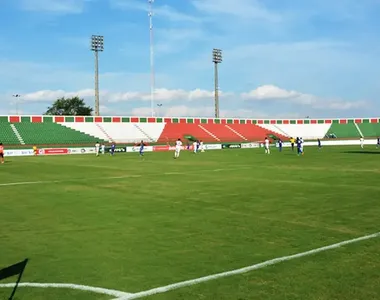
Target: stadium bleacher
50,130
52,133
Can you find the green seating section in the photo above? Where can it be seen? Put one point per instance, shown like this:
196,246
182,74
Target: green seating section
370,129
7,136
348,130
52,133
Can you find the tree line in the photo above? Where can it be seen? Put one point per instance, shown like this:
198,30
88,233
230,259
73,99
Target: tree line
74,106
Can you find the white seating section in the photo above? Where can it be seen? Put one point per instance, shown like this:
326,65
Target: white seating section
120,132
88,128
152,130
306,131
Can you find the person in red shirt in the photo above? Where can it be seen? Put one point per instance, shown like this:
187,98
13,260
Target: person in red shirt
2,152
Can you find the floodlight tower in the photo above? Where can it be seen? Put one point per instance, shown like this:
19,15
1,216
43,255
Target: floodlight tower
16,96
217,59
151,46
97,45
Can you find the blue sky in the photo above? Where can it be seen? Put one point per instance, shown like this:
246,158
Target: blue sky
288,58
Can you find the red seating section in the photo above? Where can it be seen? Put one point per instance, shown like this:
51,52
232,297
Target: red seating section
253,132
215,132
173,131
222,132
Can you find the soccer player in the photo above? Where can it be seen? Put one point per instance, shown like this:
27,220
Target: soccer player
362,142
141,151
113,147
319,144
299,147
292,143
178,145
103,148
2,153
35,150
97,148
378,142
195,147
202,146
280,145
266,146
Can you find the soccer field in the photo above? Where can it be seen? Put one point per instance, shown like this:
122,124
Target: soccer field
130,225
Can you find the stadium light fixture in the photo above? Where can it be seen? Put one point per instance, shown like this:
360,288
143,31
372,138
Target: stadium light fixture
159,105
16,96
151,48
216,59
97,45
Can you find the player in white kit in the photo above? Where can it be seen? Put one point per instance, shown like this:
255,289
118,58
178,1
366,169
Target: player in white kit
97,148
103,149
195,147
178,145
266,146
202,147
362,142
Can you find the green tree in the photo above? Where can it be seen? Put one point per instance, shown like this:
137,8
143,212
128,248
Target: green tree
69,107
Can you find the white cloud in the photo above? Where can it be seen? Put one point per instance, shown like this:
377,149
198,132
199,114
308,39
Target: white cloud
176,102
48,95
270,92
274,93
55,6
247,9
160,95
161,11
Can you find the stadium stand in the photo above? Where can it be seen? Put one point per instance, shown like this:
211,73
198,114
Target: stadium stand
120,132
306,131
252,132
7,134
173,131
348,130
51,133
71,130
370,129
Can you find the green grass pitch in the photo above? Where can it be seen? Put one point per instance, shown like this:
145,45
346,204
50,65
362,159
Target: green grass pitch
129,224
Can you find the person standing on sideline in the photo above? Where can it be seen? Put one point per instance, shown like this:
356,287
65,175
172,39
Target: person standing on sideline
362,143
378,142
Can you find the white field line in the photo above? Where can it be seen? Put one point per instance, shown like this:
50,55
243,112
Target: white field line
86,288
121,177
264,264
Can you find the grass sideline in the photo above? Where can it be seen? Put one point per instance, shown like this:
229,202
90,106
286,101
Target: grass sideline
131,225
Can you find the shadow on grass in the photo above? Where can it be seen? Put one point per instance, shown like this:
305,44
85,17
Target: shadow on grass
363,152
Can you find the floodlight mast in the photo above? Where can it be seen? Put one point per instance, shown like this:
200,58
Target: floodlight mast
97,45
217,59
151,46
16,96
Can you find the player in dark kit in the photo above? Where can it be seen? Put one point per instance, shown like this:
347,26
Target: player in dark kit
113,147
141,151
319,144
